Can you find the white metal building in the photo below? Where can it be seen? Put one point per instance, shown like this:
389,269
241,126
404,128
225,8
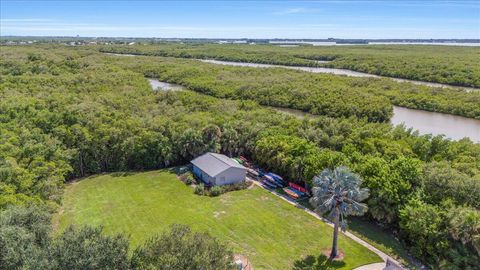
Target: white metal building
217,169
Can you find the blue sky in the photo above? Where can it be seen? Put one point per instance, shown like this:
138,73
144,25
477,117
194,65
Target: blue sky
237,19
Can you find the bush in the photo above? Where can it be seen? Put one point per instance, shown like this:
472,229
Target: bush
188,181
200,189
187,178
180,248
236,186
89,248
216,190
26,243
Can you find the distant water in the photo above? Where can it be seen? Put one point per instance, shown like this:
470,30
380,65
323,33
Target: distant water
452,126
428,43
158,85
335,71
288,45
120,54
327,43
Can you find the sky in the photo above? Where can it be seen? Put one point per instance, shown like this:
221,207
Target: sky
243,19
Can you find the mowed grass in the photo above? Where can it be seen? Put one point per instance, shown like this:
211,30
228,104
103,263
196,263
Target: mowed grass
270,232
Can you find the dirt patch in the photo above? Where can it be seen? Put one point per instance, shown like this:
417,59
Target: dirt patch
246,264
217,214
225,199
263,198
339,257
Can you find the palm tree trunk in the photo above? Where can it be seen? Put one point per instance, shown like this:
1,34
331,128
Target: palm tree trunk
336,221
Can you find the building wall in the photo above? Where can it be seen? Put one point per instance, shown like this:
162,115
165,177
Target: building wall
202,175
230,176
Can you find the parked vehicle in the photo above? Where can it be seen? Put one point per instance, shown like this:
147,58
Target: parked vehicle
271,181
291,193
297,187
269,184
239,161
278,179
295,191
252,173
260,172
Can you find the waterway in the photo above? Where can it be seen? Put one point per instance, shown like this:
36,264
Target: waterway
336,71
452,126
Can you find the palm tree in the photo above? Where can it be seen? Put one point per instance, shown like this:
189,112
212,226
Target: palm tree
337,193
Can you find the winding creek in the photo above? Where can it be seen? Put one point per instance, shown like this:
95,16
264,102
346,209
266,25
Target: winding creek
452,126
336,71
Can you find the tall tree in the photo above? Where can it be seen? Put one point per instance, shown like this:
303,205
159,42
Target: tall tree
337,193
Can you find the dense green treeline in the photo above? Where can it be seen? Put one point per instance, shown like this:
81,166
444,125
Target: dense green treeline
26,242
73,112
454,65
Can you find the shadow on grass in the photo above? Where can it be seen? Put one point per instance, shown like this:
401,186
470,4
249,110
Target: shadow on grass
122,174
179,170
321,262
380,237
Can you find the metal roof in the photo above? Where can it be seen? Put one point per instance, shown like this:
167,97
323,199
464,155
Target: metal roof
213,163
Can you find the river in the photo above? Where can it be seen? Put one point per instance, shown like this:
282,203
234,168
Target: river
452,126
336,71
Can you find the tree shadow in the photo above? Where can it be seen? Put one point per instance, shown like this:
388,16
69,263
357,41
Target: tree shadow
321,262
122,174
179,170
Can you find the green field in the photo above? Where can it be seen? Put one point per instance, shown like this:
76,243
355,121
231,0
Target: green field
270,232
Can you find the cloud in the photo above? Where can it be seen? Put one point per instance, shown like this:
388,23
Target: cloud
294,11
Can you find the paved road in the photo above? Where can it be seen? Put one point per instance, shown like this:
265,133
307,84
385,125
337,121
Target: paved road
373,266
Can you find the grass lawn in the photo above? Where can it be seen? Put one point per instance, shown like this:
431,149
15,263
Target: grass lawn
270,232
382,240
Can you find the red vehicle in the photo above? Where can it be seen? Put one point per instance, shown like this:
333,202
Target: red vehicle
297,187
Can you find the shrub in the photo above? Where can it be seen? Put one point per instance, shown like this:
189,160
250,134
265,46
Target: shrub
200,189
236,186
187,178
188,181
216,190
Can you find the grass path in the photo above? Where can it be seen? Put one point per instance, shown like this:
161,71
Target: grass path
272,233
